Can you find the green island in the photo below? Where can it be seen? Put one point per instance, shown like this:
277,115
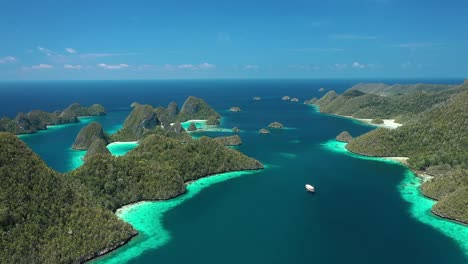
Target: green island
145,120
49,217
37,120
433,136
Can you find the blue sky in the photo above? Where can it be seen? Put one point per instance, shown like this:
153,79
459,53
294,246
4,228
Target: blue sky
233,39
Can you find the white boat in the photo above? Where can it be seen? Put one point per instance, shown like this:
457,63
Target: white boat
309,188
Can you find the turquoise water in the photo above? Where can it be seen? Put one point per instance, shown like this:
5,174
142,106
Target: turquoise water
364,210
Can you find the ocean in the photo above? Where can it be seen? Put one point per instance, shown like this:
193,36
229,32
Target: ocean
365,210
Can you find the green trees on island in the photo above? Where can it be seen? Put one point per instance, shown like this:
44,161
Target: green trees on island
39,120
48,217
144,118
434,136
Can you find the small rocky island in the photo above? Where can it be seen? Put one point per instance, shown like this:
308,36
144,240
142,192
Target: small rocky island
276,125
286,98
257,98
230,141
235,109
192,127
235,130
88,135
344,137
321,90
294,99
264,131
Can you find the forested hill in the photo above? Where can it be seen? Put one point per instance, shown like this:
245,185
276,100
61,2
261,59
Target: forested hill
44,216
385,89
401,107
434,135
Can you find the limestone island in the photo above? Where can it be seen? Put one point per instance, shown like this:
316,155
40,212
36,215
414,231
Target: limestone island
88,135
294,99
145,119
321,90
286,98
344,137
276,125
432,134
37,120
264,131
86,198
235,109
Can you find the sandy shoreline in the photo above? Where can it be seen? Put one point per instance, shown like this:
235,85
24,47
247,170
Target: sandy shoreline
388,123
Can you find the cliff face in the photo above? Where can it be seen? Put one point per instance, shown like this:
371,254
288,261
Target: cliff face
46,217
88,135
196,108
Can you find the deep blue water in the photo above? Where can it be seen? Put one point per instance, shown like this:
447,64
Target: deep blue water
356,216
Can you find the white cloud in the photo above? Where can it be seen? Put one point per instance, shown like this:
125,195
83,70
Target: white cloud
113,67
42,66
304,67
206,66
70,50
319,50
46,51
103,55
351,37
69,66
186,67
358,65
338,66
7,59
251,67
418,45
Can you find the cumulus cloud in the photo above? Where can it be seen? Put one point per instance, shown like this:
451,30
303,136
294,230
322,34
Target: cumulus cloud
418,45
358,65
338,66
304,67
42,66
320,50
7,59
190,67
113,67
351,37
69,66
70,50
251,67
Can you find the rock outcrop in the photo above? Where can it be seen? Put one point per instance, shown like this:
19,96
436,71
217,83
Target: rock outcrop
276,125
235,130
196,108
88,135
264,131
235,109
97,147
311,101
344,137
192,127
294,99
286,98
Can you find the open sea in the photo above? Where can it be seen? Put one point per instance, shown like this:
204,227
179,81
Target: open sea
365,210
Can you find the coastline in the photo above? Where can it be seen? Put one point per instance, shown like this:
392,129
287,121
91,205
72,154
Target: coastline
145,217
410,190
